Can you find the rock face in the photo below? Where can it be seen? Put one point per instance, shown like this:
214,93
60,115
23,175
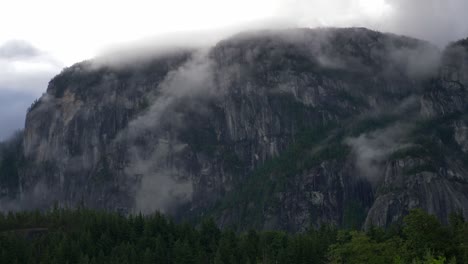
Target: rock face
432,174
273,129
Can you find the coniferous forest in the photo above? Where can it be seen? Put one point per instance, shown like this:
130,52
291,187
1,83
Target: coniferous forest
88,236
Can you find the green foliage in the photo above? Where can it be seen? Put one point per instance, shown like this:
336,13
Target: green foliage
80,75
87,236
424,232
34,104
422,239
356,247
427,167
354,215
251,196
416,151
434,141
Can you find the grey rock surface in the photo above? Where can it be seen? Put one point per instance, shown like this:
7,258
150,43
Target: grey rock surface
272,130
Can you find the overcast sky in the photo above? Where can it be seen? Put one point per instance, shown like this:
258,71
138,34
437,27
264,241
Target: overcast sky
39,38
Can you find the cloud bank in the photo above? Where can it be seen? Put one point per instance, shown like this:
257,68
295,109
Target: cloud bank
438,21
24,67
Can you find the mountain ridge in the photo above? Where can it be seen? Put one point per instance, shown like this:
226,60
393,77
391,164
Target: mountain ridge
272,130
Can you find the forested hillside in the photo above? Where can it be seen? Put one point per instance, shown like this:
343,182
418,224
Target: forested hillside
86,236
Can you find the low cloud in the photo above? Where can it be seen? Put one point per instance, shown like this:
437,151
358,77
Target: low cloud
130,53
162,187
420,62
371,149
156,156
191,80
438,21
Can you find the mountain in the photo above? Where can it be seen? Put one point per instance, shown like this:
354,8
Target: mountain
278,129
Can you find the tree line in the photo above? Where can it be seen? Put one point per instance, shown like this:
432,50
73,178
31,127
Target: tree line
89,236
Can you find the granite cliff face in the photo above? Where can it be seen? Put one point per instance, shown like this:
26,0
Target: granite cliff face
272,129
432,172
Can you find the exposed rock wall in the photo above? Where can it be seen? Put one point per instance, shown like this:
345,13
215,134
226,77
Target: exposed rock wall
194,133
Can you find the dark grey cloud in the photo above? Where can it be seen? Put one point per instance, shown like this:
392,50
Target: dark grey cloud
18,49
13,106
16,95
439,21
24,74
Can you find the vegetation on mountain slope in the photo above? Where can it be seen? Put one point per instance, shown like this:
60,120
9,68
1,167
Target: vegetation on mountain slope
86,236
